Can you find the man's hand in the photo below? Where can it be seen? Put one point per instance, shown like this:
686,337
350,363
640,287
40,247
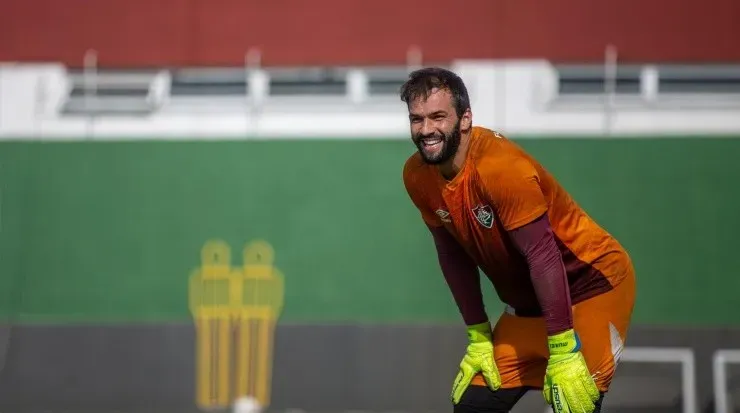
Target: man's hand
478,359
569,387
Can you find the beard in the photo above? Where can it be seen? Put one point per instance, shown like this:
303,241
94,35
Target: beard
438,147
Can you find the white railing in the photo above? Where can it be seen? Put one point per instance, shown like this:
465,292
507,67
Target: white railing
720,361
682,356
516,97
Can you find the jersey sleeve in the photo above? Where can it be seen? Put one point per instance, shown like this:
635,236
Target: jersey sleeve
416,190
514,190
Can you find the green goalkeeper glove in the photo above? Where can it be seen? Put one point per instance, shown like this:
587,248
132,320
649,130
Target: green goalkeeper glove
569,387
478,359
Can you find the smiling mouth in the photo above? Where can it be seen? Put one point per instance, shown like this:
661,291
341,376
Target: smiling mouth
431,142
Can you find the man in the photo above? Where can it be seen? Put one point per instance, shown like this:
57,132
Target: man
568,285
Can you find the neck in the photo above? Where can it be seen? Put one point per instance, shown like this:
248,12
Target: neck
451,167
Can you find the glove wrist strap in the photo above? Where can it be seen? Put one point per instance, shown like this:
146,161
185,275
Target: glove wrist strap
479,333
564,343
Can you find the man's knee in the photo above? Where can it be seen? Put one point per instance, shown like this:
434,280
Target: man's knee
481,399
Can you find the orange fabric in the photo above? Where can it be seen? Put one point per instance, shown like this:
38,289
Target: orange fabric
520,343
500,187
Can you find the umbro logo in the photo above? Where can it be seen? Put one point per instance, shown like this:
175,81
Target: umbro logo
443,215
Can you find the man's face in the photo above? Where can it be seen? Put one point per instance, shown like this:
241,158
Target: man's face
435,126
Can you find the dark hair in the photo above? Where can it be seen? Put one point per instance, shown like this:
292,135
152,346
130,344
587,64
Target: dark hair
421,83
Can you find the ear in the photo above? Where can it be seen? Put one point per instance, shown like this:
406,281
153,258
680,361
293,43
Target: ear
466,122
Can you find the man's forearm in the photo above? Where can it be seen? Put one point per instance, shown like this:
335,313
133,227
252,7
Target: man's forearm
536,242
461,275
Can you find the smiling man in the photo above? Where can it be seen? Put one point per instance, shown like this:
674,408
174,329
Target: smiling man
568,285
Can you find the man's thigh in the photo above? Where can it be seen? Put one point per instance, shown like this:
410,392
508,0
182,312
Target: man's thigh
520,352
602,323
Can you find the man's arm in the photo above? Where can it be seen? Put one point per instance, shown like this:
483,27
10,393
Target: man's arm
569,385
461,275
522,208
459,269
537,243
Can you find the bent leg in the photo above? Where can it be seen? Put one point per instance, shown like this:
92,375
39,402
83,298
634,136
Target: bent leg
602,323
520,353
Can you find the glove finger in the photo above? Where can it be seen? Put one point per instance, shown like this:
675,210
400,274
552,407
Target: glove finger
579,400
547,390
455,385
589,384
463,379
491,375
592,389
559,400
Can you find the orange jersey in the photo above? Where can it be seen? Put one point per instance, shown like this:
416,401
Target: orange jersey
500,188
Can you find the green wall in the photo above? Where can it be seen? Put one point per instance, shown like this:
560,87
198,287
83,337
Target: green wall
111,231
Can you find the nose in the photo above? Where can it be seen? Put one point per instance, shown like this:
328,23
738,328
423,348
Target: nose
427,127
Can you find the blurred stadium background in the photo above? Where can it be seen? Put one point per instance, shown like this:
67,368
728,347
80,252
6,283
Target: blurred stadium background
202,199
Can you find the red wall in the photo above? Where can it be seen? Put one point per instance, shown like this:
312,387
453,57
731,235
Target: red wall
290,32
